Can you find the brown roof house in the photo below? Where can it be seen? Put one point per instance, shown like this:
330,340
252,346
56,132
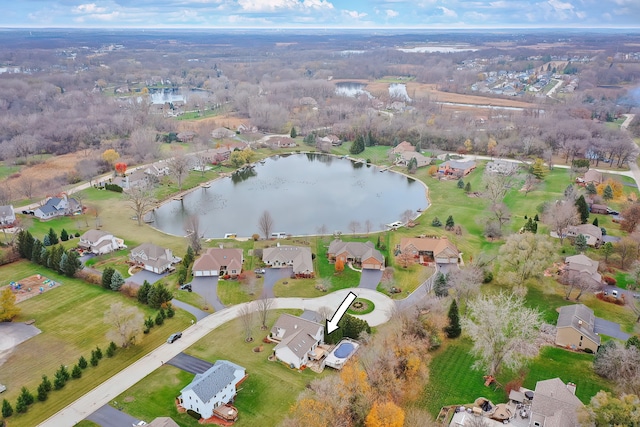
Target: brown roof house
297,257
281,142
456,168
297,339
429,249
403,147
405,157
220,133
575,328
360,254
583,268
219,262
555,404
591,176
590,231
152,257
163,422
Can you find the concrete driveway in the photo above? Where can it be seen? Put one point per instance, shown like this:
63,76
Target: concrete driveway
190,364
271,276
108,416
369,278
207,288
199,314
143,275
610,329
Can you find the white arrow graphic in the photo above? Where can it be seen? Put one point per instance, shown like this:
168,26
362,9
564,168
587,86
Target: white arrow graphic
332,324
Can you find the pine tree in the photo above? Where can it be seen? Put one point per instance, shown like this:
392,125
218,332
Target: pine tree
440,285
436,222
595,221
70,263
467,187
53,237
450,223
116,281
46,384
82,362
7,410
106,277
143,293
460,184
293,132
94,359
46,240
453,330
21,407
581,243
188,257
36,252
76,372
358,145
42,393
536,218
64,236
98,353
583,209
607,194
591,189
26,396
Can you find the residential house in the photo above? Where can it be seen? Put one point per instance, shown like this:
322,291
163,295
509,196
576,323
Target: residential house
100,242
592,176
186,136
281,142
137,178
297,338
163,422
219,262
452,167
502,167
58,206
221,133
590,231
555,404
7,216
213,389
598,209
152,257
575,328
330,139
309,101
217,155
363,255
405,157
403,147
430,249
297,257
158,169
243,128
583,268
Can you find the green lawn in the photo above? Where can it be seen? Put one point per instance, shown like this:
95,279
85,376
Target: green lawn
302,288
232,292
71,318
196,115
259,401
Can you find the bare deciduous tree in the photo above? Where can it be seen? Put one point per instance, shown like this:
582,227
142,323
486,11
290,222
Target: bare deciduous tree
27,186
265,223
496,186
139,199
354,226
407,216
503,331
322,230
621,364
466,282
194,234
246,317
560,215
126,322
626,250
368,226
179,166
264,304
523,256
501,214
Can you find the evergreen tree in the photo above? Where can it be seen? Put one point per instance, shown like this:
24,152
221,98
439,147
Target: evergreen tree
310,139
607,194
82,362
46,240
595,221
450,223
293,132
467,187
98,353
583,209
581,243
55,257
111,350
143,293
116,281
460,184
76,372
358,145
440,285
591,189
170,311
538,169
36,252
44,256
412,165
536,218
436,222
21,407
159,295
106,277
53,237
46,383
453,330
159,319
378,242
531,226
42,393
94,359
70,263
26,396
7,410
28,245
188,257
64,236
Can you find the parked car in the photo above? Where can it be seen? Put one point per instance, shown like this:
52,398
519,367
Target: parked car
637,296
174,337
612,212
186,287
259,271
3,388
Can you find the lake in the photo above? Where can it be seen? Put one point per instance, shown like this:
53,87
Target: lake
301,192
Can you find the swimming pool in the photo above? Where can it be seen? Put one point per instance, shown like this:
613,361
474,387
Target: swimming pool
341,353
344,350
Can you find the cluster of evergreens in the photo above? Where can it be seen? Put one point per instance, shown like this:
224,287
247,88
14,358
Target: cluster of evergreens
55,257
348,327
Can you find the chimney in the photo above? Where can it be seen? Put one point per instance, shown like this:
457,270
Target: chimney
580,322
571,387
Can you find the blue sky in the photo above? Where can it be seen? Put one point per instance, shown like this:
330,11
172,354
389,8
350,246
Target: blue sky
323,13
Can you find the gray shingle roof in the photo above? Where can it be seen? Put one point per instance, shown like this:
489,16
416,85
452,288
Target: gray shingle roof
554,404
356,250
214,380
579,317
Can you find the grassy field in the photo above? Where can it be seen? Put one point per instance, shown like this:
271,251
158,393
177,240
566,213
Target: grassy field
259,402
71,318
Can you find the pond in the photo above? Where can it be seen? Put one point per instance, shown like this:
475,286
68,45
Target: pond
351,89
302,192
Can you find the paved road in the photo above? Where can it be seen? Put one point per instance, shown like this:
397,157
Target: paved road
207,288
107,391
108,416
369,279
190,364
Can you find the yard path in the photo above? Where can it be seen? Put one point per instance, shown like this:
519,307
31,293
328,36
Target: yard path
110,389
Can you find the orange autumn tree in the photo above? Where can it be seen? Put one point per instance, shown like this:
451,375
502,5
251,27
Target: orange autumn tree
386,414
339,265
616,186
312,412
121,168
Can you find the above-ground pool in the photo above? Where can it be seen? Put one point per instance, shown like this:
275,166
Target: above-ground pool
341,353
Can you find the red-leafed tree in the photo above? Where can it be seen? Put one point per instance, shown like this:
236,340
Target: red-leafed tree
121,168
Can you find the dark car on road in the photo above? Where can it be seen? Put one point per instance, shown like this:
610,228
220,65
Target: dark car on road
174,337
186,287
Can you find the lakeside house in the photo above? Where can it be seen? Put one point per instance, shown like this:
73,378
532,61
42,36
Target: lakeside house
100,242
430,249
297,338
405,157
220,133
403,147
57,206
152,257
456,168
219,262
360,254
297,257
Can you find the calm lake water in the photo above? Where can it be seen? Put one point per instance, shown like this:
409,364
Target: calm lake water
302,192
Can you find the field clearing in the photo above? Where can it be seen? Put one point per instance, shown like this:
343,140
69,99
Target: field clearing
207,124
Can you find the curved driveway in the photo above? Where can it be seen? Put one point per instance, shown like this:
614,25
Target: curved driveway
108,390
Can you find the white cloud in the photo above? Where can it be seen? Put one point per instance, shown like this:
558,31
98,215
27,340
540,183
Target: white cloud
355,14
448,12
391,13
273,5
317,4
89,8
558,5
